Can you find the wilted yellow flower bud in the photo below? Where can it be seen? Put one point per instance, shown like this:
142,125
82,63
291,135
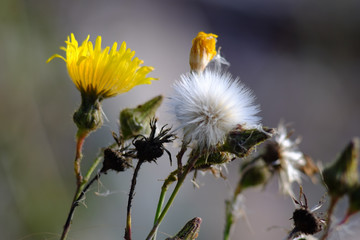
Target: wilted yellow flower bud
203,50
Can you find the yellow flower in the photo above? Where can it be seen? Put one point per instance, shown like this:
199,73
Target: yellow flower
203,50
100,74
103,73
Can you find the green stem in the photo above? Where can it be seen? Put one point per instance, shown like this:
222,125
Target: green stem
169,180
228,221
92,168
181,179
229,206
160,203
88,175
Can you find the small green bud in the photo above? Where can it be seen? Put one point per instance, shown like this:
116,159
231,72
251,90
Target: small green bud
214,158
271,153
190,231
169,180
241,142
254,175
135,121
89,116
342,175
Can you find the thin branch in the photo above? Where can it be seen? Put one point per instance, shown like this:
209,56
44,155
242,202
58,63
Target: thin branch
75,203
131,195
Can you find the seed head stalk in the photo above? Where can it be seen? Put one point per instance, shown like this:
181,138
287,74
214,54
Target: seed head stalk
131,195
179,183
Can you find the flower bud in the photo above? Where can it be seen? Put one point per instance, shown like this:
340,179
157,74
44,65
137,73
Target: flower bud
241,142
214,158
342,175
254,175
89,115
190,231
135,121
203,50
271,153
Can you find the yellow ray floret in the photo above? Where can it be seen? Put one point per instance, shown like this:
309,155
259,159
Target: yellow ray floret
203,50
103,72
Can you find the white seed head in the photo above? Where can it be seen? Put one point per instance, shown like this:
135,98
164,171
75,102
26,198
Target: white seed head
210,104
292,160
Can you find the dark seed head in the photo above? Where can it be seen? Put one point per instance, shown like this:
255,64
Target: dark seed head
114,160
271,154
148,150
306,222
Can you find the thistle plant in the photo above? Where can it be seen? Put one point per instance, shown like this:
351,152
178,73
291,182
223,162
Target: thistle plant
216,119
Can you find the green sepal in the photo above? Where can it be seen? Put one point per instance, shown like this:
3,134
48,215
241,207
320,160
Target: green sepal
89,115
190,231
342,175
241,142
135,121
213,158
253,175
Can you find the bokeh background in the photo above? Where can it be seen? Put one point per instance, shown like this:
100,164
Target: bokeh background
301,59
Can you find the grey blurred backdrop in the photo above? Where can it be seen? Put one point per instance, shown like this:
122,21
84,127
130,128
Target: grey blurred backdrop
301,59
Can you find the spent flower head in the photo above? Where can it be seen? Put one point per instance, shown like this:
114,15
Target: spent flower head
306,222
151,148
100,73
283,157
209,105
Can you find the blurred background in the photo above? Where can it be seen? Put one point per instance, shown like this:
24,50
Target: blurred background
301,59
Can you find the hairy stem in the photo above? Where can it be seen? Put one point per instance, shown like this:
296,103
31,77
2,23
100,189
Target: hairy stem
131,195
80,139
79,193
